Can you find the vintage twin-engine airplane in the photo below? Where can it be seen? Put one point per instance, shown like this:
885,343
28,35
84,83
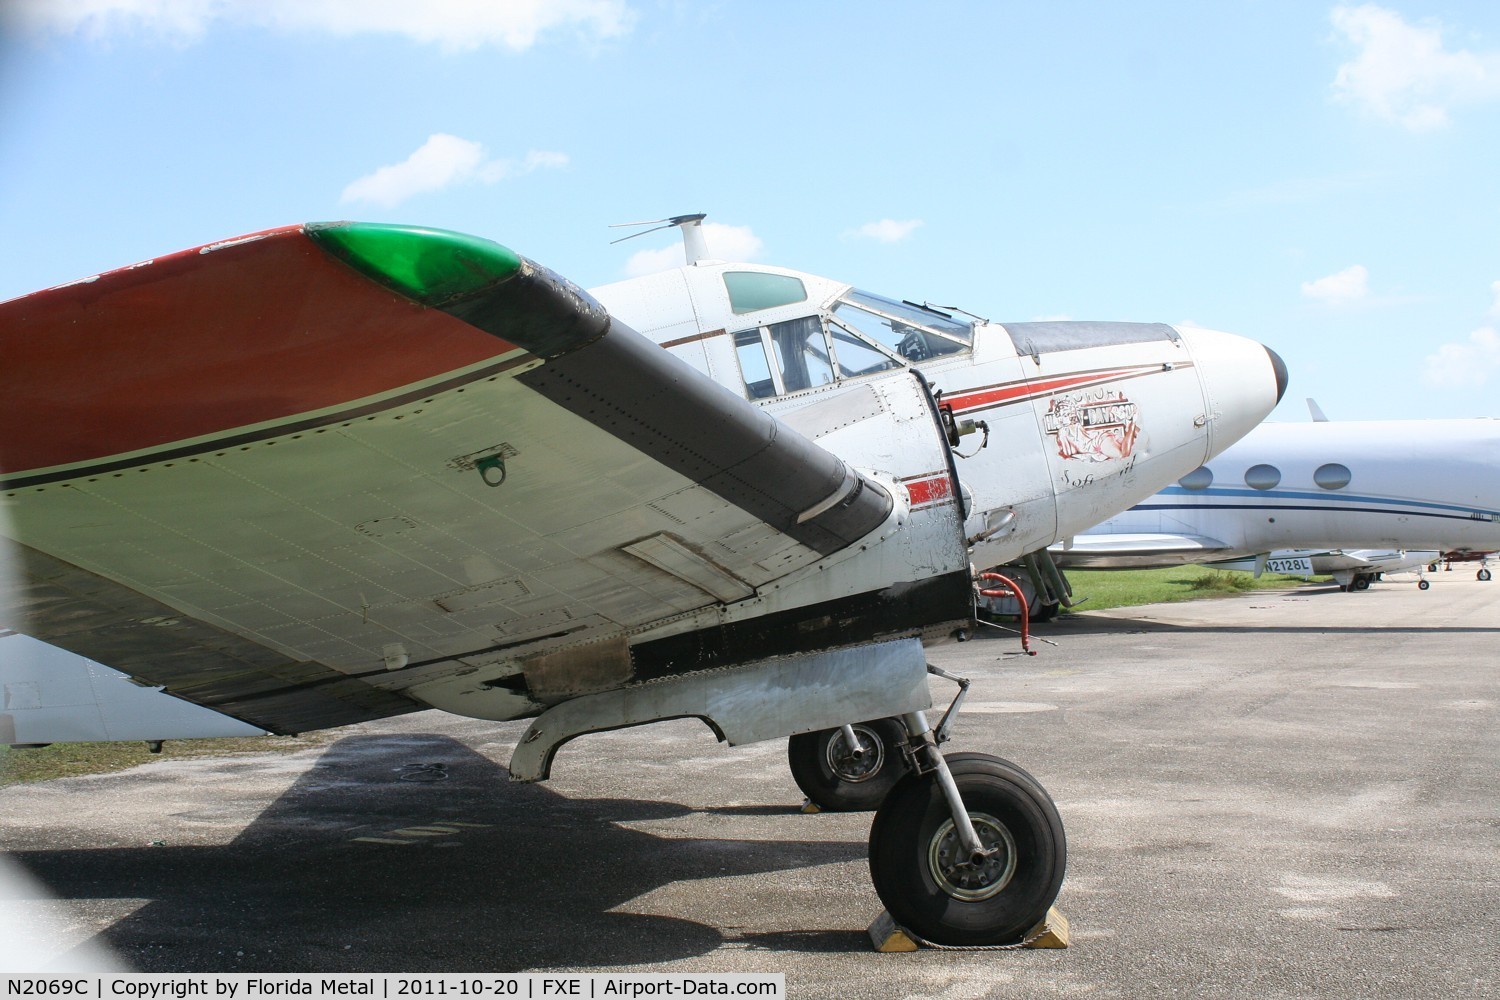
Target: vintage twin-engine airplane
330,473
1318,492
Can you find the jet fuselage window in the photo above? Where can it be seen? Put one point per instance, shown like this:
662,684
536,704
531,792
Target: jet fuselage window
1262,477
1333,476
752,291
1199,479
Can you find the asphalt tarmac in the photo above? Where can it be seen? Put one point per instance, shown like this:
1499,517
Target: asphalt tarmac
1284,794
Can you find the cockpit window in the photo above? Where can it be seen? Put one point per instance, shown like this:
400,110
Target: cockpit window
864,334
752,291
909,332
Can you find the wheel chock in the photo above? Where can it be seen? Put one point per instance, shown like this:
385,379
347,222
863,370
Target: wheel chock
1052,932
809,807
888,936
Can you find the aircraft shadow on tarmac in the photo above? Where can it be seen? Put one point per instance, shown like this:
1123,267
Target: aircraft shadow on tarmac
462,870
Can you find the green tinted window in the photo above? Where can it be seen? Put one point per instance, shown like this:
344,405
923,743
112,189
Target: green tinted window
750,291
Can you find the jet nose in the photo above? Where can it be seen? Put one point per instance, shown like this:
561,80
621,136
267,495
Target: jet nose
1279,367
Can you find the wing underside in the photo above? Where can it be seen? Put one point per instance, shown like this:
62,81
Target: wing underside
295,477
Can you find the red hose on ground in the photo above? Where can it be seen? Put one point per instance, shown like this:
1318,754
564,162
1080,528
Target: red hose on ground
1011,590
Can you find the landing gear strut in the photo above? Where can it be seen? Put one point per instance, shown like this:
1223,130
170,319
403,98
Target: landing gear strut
967,849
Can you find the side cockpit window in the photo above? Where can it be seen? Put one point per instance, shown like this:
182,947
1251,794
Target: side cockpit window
784,357
863,334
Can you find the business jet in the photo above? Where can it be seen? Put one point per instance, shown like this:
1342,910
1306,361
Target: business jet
1290,491
1351,569
334,472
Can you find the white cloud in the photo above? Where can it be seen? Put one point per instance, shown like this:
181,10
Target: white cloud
886,230
1467,363
724,243
1464,364
175,20
1402,72
451,24
442,161
1349,285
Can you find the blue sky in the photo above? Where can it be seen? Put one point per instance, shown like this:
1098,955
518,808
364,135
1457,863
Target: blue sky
1322,177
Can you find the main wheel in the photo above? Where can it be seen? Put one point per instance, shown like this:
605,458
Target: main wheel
1483,574
929,884
1044,611
1360,582
840,778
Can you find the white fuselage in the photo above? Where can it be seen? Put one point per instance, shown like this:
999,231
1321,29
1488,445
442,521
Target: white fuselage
1081,423
1396,485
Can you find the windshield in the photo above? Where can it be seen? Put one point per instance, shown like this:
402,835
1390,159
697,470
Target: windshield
908,331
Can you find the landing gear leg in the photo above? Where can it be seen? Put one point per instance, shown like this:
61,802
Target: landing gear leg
967,849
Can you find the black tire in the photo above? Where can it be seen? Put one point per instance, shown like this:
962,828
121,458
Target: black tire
910,860
1045,611
833,780
1483,574
1423,584
1360,582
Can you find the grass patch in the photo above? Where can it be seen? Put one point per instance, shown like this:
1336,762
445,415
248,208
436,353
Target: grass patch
1125,588
71,760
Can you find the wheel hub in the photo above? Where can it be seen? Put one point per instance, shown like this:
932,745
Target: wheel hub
860,762
973,877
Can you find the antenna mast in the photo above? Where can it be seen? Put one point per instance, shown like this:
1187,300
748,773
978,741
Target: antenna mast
694,246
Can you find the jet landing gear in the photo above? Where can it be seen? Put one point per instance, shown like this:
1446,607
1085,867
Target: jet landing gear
967,849
849,769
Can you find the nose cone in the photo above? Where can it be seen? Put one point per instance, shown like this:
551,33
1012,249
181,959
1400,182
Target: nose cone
1279,367
1242,381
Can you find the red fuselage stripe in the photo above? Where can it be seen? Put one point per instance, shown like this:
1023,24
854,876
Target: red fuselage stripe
1016,392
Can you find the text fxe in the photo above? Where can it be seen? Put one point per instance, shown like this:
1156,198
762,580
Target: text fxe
236,986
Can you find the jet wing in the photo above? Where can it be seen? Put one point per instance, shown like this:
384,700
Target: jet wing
1111,550
295,475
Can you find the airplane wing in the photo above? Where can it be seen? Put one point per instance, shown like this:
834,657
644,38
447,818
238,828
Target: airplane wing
1115,550
296,476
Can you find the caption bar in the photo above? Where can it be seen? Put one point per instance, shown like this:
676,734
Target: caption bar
258,986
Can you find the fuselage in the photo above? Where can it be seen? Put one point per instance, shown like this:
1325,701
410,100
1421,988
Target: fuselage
1395,484
1083,419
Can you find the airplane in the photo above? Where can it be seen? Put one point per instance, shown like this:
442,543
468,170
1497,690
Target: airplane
1351,569
1467,555
1411,486
334,472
